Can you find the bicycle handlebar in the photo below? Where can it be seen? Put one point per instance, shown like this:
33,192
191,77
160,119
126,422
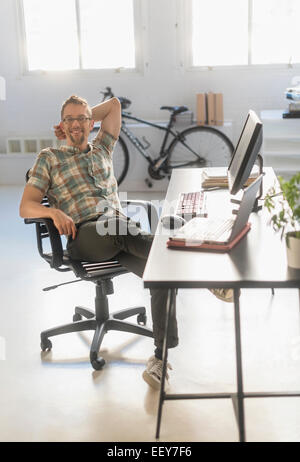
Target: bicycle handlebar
107,93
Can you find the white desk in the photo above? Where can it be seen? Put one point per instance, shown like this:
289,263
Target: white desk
259,260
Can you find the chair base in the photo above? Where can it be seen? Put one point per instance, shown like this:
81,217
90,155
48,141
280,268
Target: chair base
115,321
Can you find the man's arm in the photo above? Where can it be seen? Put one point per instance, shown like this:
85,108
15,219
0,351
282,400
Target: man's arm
31,207
109,114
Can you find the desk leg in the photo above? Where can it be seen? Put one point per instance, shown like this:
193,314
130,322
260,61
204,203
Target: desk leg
239,371
170,306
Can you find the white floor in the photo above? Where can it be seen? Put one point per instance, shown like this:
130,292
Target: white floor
57,396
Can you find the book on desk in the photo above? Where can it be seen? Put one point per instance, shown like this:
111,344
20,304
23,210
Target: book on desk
218,234
213,179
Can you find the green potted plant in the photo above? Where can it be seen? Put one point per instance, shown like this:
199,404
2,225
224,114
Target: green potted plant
286,215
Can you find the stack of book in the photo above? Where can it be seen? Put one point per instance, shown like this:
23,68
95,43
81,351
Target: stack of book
210,109
293,95
214,180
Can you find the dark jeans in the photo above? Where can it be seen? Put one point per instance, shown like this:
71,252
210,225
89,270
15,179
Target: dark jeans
131,246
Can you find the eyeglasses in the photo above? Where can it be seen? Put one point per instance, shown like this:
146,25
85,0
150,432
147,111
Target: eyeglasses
80,119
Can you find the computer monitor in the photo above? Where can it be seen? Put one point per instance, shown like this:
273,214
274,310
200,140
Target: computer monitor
245,153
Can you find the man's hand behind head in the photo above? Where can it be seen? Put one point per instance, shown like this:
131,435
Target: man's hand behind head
59,132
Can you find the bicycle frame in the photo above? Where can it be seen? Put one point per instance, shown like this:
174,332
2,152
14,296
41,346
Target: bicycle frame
137,143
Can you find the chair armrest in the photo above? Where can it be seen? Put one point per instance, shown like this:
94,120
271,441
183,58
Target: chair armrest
45,228
150,209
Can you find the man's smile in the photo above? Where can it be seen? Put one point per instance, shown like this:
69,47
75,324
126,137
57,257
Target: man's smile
77,136
77,125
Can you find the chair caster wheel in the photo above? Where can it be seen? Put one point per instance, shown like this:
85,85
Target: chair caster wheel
97,363
46,344
77,317
142,319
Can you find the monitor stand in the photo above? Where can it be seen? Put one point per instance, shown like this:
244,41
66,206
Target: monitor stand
256,207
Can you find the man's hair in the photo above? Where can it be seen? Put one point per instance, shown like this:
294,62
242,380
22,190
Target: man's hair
75,100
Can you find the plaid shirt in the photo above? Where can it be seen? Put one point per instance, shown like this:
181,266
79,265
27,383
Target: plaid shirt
81,184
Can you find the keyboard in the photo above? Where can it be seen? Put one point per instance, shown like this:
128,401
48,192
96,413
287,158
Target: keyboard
192,204
211,229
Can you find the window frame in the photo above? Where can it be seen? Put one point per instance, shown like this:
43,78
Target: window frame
184,44
140,40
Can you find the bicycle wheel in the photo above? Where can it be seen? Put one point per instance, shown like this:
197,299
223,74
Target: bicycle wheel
120,160
200,146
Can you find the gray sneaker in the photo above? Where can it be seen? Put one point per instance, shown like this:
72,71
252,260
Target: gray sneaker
153,373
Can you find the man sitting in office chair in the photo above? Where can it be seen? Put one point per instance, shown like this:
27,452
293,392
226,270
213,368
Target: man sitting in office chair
79,182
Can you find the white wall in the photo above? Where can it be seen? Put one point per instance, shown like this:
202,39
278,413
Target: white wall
33,101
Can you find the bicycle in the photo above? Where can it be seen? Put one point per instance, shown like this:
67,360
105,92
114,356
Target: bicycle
195,146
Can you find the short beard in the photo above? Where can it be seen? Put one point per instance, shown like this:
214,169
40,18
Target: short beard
77,142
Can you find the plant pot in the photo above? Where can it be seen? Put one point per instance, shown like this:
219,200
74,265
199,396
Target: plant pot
293,250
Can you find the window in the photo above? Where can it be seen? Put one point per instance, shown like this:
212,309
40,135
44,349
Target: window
79,34
242,32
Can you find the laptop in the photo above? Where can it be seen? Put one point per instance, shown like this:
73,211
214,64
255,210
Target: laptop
218,233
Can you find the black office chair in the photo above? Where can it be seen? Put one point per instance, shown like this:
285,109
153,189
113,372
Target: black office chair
100,274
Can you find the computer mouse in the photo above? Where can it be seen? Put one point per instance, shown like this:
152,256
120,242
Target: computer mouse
172,221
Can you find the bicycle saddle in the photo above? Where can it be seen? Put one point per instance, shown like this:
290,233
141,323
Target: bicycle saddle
175,109
125,103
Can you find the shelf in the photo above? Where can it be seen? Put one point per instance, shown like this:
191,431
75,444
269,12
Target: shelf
282,171
272,114
281,142
288,163
282,146
283,136
282,155
276,115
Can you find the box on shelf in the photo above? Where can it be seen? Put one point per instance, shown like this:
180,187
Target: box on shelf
210,109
